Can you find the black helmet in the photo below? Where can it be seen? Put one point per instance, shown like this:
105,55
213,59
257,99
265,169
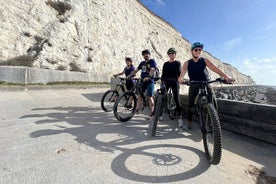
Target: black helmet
197,44
171,50
146,51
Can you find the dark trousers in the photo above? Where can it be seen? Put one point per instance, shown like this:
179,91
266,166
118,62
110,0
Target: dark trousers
175,89
129,84
193,91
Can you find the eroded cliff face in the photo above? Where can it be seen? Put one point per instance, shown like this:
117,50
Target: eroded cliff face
95,35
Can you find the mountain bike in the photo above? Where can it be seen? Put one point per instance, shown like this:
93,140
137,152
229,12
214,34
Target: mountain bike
110,96
164,99
126,104
206,108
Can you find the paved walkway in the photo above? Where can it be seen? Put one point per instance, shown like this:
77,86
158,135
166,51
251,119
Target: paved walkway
62,136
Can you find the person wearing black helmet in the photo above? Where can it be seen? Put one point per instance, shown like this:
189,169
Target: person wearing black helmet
147,67
127,70
170,72
197,70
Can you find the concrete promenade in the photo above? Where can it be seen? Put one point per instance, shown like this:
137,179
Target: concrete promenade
62,136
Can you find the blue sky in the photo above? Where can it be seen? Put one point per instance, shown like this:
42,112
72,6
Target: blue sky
239,32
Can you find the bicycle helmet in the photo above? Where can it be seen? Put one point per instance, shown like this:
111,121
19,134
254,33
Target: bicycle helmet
146,51
197,45
171,50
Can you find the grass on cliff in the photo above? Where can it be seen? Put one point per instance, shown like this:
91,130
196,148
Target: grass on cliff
19,61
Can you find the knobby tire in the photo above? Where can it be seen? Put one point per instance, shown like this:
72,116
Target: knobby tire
121,104
171,106
211,126
111,94
158,110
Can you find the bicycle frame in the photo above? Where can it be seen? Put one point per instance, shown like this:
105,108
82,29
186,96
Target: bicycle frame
126,105
121,86
203,97
137,90
165,93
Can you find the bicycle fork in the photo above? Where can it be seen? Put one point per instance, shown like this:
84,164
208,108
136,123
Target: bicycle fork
201,101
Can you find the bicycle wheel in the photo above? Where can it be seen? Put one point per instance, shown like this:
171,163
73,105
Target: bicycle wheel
211,132
125,106
153,122
108,100
171,106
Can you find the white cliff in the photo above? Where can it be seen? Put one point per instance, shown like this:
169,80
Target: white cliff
94,35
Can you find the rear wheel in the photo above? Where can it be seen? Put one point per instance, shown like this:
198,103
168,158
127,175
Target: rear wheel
125,106
211,132
108,100
158,110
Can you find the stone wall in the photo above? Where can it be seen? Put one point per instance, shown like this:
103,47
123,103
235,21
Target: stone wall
96,35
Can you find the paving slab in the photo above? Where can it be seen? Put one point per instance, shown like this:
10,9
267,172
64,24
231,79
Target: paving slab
62,136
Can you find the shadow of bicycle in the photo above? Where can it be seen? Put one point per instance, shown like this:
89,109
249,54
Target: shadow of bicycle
160,163
98,132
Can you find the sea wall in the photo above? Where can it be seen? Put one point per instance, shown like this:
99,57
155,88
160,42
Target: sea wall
251,119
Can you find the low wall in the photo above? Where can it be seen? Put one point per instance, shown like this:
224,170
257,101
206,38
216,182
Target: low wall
254,120
27,75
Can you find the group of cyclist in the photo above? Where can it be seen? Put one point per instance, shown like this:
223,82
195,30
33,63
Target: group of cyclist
172,76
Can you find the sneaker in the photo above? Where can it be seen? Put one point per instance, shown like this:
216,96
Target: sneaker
150,115
180,123
160,118
187,127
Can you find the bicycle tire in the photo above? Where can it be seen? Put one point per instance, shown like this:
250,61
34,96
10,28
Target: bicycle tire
171,106
153,122
108,100
211,133
124,107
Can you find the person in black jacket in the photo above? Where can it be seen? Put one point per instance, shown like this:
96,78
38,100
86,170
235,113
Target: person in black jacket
170,73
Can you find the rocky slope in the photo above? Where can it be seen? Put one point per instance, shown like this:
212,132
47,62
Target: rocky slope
93,35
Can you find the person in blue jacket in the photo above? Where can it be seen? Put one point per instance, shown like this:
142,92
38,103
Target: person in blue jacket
127,70
147,67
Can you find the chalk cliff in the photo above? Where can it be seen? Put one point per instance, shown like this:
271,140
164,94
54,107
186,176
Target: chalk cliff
94,35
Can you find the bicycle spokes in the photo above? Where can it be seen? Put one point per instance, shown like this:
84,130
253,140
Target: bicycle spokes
125,107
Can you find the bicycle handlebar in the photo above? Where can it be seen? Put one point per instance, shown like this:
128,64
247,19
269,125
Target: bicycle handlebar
169,79
221,80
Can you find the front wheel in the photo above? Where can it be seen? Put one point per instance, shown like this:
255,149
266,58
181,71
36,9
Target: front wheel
211,132
171,106
158,110
125,106
108,100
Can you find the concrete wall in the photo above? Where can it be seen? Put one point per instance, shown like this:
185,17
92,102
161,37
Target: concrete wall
254,120
27,75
